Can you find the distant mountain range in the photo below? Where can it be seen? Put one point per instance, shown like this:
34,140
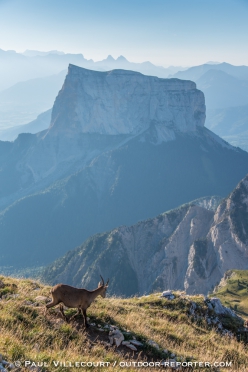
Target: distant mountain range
231,124
27,99
121,147
41,123
222,90
188,248
226,91
194,73
17,67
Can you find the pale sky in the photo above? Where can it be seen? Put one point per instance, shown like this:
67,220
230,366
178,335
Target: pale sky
165,32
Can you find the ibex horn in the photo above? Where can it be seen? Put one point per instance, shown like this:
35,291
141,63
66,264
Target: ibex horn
102,280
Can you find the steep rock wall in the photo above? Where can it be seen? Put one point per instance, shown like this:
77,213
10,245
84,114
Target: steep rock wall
226,243
125,102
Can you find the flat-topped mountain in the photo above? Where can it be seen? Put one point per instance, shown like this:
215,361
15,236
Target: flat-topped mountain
121,147
126,102
118,104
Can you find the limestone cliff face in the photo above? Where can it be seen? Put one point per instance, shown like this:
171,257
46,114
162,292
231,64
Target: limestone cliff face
125,102
226,244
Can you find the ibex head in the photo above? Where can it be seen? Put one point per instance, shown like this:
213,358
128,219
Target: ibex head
103,286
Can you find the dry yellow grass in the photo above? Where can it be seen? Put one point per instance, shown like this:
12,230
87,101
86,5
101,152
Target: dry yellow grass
27,334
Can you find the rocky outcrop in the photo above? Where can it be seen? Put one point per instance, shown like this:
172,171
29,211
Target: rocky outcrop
5,366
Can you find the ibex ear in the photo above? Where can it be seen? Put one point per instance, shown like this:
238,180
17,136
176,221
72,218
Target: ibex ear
99,284
106,285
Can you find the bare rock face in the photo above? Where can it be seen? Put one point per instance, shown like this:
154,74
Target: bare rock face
219,309
225,246
125,102
165,264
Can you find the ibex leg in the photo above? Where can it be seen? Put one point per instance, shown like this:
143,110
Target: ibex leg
61,309
85,319
78,312
51,304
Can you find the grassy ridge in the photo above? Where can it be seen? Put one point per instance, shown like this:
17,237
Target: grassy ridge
233,291
28,334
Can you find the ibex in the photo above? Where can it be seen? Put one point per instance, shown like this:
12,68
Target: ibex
79,298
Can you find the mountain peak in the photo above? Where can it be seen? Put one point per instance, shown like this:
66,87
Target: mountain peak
121,59
110,58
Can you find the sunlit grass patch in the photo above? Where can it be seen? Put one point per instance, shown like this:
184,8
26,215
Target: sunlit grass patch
233,291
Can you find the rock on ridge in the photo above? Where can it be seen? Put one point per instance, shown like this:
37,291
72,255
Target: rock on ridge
125,102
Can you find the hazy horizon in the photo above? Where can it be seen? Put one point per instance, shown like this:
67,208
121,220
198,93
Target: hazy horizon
60,52
164,32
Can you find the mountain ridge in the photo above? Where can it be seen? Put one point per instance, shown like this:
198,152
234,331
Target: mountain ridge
189,248
195,72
